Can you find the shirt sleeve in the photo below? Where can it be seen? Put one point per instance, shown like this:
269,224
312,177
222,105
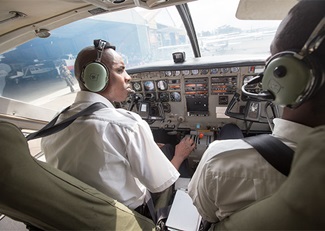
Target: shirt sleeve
200,195
218,186
148,162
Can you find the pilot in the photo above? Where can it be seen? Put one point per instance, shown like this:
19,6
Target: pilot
231,173
113,150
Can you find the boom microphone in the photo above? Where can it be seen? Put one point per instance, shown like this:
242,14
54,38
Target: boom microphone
263,95
131,91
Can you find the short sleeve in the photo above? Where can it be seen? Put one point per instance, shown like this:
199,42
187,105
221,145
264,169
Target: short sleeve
148,162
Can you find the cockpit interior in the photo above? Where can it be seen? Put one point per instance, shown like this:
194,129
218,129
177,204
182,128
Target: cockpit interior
190,69
197,98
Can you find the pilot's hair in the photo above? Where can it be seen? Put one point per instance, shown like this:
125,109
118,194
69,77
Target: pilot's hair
296,29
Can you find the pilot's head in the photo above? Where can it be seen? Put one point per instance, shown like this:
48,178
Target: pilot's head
292,34
106,76
297,26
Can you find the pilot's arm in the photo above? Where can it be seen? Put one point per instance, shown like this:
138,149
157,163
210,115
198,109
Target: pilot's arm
228,179
148,162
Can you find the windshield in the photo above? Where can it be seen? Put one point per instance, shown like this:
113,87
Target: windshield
32,72
220,33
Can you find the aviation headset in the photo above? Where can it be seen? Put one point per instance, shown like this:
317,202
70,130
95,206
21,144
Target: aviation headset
95,75
290,78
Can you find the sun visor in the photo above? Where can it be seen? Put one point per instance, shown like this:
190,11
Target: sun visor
264,9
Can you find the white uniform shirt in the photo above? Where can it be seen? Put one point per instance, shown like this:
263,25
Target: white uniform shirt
232,174
112,150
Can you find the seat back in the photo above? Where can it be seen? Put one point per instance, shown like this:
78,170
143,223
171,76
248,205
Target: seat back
299,204
37,194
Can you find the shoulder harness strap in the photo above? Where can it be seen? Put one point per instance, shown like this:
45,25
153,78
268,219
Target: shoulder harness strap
273,150
52,128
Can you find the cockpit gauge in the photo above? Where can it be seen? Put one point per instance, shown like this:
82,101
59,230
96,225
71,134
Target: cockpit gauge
137,86
177,73
214,71
163,96
248,78
149,86
234,69
185,72
224,70
150,96
138,97
168,73
162,85
195,72
175,97
166,107
204,71
252,88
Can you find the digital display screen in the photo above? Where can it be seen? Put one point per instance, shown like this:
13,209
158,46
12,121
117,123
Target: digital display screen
198,104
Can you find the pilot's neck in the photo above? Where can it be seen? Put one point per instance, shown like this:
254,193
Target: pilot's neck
305,115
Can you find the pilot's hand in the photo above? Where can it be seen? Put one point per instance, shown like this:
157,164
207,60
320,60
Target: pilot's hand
182,151
185,147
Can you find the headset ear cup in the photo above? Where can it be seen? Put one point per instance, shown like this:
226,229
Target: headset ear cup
287,78
95,77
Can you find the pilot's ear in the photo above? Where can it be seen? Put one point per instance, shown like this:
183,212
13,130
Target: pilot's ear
290,79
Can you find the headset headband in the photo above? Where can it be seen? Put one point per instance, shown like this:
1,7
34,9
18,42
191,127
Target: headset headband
101,45
107,45
314,40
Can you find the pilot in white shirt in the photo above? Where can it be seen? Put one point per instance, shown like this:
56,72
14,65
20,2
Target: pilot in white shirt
232,174
112,150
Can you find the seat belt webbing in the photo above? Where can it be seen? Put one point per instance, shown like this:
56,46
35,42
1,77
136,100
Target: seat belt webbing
52,128
273,150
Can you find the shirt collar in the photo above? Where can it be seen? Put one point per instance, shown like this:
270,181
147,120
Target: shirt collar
91,97
289,130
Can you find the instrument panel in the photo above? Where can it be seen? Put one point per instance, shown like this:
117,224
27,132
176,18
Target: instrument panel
190,93
194,82
193,99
